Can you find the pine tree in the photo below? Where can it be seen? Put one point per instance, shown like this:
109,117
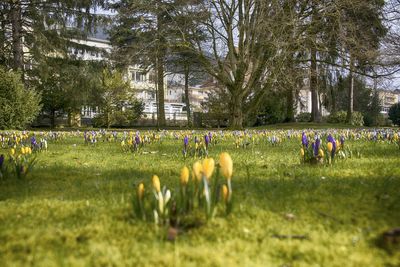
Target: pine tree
32,30
146,33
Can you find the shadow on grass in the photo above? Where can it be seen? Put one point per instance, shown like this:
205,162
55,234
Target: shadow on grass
339,201
68,183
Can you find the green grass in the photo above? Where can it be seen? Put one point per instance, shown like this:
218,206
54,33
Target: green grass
75,209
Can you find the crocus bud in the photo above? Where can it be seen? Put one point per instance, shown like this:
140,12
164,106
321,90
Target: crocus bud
208,167
156,183
225,161
225,193
184,175
140,191
330,147
197,169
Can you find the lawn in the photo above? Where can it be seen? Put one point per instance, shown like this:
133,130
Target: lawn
75,207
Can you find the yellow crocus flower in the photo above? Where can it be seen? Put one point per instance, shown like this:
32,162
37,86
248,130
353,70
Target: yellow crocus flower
197,169
156,183
140,191
225,193
208,167
184,175
226,163
329,146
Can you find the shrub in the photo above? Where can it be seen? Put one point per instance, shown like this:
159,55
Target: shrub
379,120
304,117
119,118
337,117
18,106
394,114
357,118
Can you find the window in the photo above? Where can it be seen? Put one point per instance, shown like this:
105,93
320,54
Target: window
152,78
389,99
140,76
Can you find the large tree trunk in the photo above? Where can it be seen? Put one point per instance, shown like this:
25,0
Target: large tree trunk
187,100
333,99
315,117
350,101
16,24
160,74
289,105
237,113
52,118
160,91
3,34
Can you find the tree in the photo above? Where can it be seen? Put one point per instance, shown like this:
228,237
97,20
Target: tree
147,32
66,85
117,104
246,47
33,30
360,26
18,106
394,114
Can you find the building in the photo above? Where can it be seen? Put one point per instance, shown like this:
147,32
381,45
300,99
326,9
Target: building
141,81
303,103
388,98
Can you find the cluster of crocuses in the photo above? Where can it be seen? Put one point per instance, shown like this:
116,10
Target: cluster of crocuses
199,193
13,139
90,137
132,143
313,153
318,153
19,163
40,145
200,148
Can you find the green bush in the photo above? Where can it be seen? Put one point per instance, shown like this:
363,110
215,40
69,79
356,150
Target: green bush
394,114
379,120
304,117
337,117
119,118
18,106
357,118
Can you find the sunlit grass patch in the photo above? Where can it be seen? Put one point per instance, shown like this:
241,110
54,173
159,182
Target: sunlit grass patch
75,208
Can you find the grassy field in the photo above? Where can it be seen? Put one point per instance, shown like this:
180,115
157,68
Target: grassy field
75,208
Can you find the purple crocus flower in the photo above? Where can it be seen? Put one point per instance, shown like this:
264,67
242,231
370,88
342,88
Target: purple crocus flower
185,141
33,141
137,139
1,160
206,140
304,140
316,146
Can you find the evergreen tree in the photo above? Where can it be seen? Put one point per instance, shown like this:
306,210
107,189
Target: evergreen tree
33,30
18,106
146,32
